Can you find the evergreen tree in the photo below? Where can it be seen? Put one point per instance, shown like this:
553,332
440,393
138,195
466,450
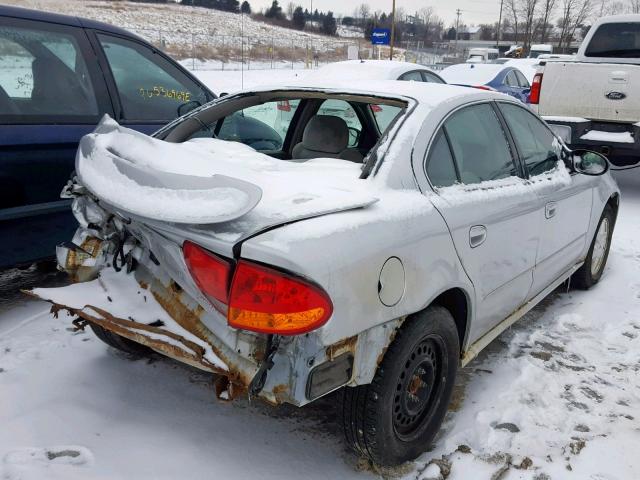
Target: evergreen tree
298,19
329,24
246,7
275,11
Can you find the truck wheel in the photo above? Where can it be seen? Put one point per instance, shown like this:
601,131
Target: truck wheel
119,343
395,418
590,272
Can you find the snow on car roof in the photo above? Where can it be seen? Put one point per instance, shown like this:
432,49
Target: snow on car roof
364,70
471,73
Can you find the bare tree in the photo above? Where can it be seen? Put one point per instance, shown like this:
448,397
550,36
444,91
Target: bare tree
634,5
290,9
548,6
528,9
574,13
364,11
512,9
608,7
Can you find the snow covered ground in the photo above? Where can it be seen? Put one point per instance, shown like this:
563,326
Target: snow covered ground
555,397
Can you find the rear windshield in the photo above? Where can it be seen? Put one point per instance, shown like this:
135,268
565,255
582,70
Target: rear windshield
621,40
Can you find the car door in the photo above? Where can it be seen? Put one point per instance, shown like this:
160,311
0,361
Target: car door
564,209
491,214
51,94
148,88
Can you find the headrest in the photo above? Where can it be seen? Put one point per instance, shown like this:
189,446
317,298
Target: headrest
326,133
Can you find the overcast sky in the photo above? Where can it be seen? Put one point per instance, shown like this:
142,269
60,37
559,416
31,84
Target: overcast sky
473,11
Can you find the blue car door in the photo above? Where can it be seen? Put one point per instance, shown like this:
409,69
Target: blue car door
149,89
51,94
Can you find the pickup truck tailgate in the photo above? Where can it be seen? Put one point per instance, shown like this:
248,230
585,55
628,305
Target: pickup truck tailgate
597,91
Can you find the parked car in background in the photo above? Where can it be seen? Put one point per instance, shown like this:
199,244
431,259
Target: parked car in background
537,50
483,55
593,100
489,76
58,76
377,270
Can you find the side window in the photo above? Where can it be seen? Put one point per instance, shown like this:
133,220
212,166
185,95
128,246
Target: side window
342,109
535,142
384,115
511,79
522,80
414,76
43,73
150,87
440,167
479,145
263,127
431,78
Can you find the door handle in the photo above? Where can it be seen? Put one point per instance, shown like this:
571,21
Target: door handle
477,235
550,209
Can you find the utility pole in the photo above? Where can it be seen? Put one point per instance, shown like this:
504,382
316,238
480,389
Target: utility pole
393,29
499,25
458,13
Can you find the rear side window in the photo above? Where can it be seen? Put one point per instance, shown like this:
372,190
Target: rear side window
479,145
43,73
511,79
440,167
384,115
150,87
431,78
522,80
535,142
412,77
621,40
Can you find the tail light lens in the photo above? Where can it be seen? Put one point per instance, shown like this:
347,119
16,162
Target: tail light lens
536,85
269,301
284,106
211,273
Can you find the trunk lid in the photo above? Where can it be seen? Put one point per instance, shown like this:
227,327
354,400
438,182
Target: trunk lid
596,91
211,185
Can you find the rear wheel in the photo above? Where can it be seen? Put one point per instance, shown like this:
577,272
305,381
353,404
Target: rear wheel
591,271
118,342
395,418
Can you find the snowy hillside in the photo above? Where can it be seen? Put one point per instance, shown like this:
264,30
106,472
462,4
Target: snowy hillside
169,18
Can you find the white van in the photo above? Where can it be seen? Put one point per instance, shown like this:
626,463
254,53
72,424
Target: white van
481,55
537,50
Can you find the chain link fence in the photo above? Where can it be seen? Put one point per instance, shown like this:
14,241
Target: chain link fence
229,52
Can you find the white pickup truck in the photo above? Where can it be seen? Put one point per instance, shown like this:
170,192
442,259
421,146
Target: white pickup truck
593,102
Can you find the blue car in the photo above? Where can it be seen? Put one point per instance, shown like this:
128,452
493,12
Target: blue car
58,76
489,76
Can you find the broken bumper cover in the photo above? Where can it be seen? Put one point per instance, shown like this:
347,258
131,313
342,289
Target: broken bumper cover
136,307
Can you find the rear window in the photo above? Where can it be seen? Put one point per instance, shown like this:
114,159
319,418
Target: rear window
616,40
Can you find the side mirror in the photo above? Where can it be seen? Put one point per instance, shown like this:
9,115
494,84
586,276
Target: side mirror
185,108
224,94
591,163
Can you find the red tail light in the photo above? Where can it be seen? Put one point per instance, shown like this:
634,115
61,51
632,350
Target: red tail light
211,273
376,108
284,106
536,85
269,301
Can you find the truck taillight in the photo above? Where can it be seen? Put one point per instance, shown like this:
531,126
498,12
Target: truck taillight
536,85
266,300
284,106
211,273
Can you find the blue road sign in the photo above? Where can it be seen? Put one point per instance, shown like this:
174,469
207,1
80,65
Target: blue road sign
381,36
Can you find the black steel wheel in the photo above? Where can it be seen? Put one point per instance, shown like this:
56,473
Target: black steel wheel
120,343
395,418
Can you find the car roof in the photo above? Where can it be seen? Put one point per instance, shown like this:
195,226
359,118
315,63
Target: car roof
473,73
429,94
366,70
73,21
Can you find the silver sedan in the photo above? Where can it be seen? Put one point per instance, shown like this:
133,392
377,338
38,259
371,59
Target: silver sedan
374,257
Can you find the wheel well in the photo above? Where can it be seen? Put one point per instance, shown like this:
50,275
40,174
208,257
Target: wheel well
455,300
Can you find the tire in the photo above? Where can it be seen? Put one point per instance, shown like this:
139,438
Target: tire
395,418
590,272
120,343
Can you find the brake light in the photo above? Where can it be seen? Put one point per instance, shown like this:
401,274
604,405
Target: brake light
536,85
284,106
269,301
211,273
